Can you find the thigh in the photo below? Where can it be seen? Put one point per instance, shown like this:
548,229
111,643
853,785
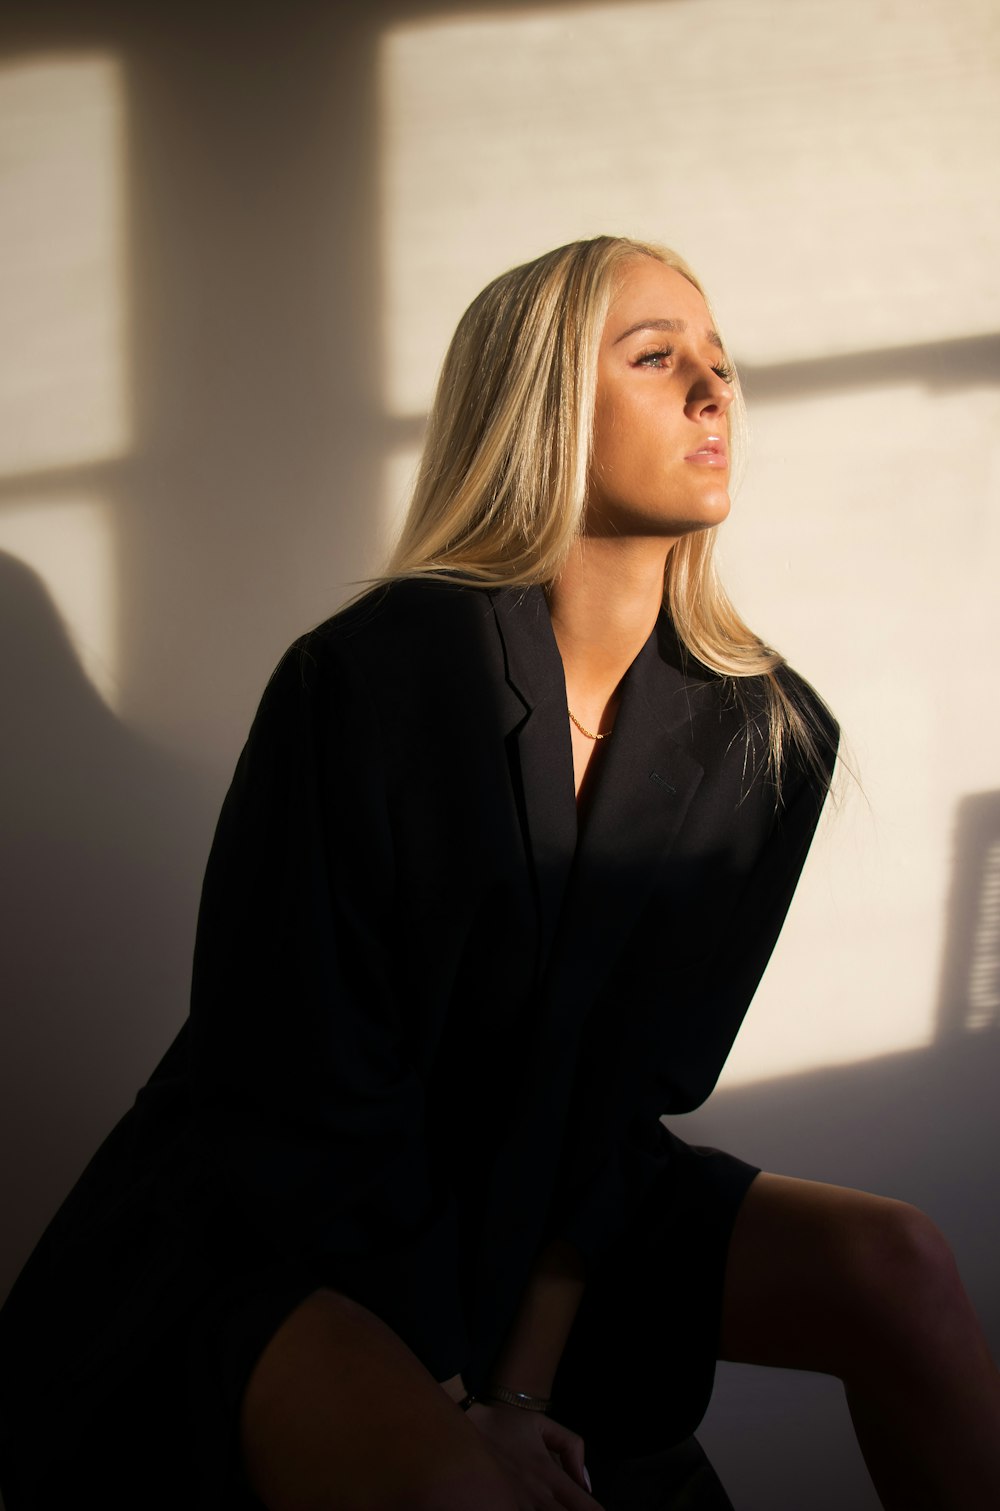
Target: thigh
808,1273
337,1412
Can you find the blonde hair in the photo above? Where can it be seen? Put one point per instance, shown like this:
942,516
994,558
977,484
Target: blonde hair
501,489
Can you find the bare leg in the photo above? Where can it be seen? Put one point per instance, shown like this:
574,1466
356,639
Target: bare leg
865,1288
339,1415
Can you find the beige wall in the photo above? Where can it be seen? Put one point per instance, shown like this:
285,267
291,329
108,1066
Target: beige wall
231,254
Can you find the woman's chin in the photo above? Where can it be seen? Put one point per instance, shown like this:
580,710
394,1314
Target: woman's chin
696,509
709,511
670,520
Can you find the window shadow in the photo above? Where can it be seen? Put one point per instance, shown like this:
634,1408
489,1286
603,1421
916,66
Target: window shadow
969,993
99,900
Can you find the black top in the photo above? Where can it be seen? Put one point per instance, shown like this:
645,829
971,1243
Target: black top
431,1026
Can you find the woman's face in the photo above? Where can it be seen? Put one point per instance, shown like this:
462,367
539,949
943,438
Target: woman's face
661,439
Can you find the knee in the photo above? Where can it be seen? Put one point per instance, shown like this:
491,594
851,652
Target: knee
903,1272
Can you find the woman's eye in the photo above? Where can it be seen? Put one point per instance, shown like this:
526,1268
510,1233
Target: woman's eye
661,357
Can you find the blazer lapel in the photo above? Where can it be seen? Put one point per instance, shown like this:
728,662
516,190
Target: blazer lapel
590,889
539,748
640,800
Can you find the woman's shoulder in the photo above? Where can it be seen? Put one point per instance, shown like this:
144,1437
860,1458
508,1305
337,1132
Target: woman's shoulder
714,690
395,630
411,604
810,703
737,714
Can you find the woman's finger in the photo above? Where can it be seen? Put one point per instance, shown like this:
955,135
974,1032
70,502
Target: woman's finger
543,1458
567,1493
545,1489
569,1446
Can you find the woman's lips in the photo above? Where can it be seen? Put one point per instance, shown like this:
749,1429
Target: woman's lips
712,454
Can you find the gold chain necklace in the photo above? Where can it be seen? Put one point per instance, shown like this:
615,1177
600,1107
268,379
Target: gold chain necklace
588,732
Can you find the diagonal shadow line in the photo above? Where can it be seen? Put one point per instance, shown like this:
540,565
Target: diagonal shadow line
79,477
965,362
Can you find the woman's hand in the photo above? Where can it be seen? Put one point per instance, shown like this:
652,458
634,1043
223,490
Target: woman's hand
543,1459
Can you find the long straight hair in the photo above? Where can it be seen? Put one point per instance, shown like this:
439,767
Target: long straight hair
501,489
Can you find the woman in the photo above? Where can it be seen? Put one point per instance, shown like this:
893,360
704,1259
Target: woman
501,866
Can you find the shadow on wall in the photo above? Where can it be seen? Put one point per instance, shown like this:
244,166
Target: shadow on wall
98,904
969,998
938,366
236,516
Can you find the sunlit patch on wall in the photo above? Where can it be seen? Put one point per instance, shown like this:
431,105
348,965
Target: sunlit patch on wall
829,188
69,542
62,324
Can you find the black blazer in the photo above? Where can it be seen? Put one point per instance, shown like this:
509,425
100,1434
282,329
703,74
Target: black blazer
432,1024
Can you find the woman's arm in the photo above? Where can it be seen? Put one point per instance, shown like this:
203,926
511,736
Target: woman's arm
533,1347
311,1112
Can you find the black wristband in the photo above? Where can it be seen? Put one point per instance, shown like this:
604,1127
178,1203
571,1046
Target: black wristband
467,1401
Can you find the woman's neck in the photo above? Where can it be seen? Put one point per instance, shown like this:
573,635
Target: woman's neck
603,607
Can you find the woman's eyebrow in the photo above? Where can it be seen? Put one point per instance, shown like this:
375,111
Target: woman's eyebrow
666,325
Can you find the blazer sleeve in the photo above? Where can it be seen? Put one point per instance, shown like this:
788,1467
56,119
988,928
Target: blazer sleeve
309,1105
670,1056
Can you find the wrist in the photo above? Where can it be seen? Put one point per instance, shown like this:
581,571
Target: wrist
503,1395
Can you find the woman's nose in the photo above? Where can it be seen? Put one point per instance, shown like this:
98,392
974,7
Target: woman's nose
709,394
